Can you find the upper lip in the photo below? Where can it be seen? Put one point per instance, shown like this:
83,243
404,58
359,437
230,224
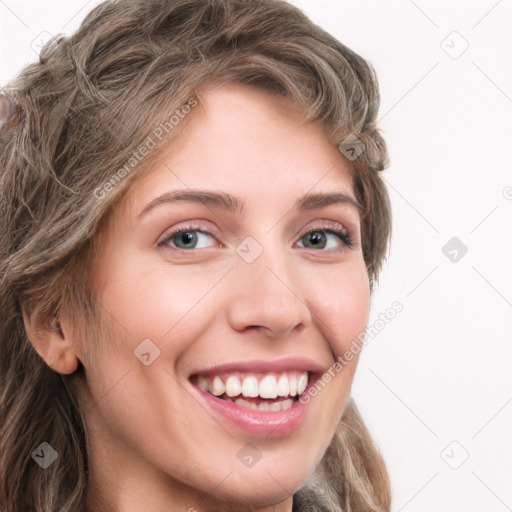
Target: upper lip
264,366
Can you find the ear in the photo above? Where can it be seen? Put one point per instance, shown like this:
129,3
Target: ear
52,341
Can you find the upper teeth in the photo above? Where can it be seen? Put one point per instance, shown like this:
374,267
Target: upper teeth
269,385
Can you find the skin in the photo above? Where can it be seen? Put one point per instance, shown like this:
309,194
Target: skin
152,445
7,108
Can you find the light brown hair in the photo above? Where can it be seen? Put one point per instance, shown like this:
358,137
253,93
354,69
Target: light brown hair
90,101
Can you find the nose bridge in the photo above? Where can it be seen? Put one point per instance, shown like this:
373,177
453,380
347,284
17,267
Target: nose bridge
268,294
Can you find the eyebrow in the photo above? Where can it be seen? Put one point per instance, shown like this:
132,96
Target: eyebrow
228,202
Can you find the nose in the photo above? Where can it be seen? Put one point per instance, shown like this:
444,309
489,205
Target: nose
268,297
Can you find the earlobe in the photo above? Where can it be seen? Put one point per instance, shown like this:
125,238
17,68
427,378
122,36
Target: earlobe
52,341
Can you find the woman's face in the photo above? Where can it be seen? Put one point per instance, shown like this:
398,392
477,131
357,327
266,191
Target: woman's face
245,295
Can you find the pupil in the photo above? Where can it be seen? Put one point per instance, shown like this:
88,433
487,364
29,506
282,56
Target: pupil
316,238
187,237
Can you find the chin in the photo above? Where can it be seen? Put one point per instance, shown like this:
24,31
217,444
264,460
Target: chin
267,485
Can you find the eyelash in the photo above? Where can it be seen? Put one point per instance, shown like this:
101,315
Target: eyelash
342,234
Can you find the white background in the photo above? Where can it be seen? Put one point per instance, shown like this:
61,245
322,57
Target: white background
434,386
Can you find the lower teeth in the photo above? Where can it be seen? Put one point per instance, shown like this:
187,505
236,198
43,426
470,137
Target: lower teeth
262,405
265,406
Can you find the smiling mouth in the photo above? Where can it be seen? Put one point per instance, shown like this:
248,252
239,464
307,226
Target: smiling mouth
275,391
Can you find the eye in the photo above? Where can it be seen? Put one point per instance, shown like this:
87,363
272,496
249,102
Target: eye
188,237
321,237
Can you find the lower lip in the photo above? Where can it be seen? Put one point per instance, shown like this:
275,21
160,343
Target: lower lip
254,422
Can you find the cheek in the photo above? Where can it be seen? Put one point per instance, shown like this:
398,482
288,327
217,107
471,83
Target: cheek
341,301
156,299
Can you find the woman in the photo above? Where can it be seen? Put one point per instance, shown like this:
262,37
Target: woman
192,221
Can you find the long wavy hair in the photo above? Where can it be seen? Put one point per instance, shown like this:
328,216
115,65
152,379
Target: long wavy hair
84,108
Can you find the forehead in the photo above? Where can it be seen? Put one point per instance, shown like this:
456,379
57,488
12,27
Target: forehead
250,143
